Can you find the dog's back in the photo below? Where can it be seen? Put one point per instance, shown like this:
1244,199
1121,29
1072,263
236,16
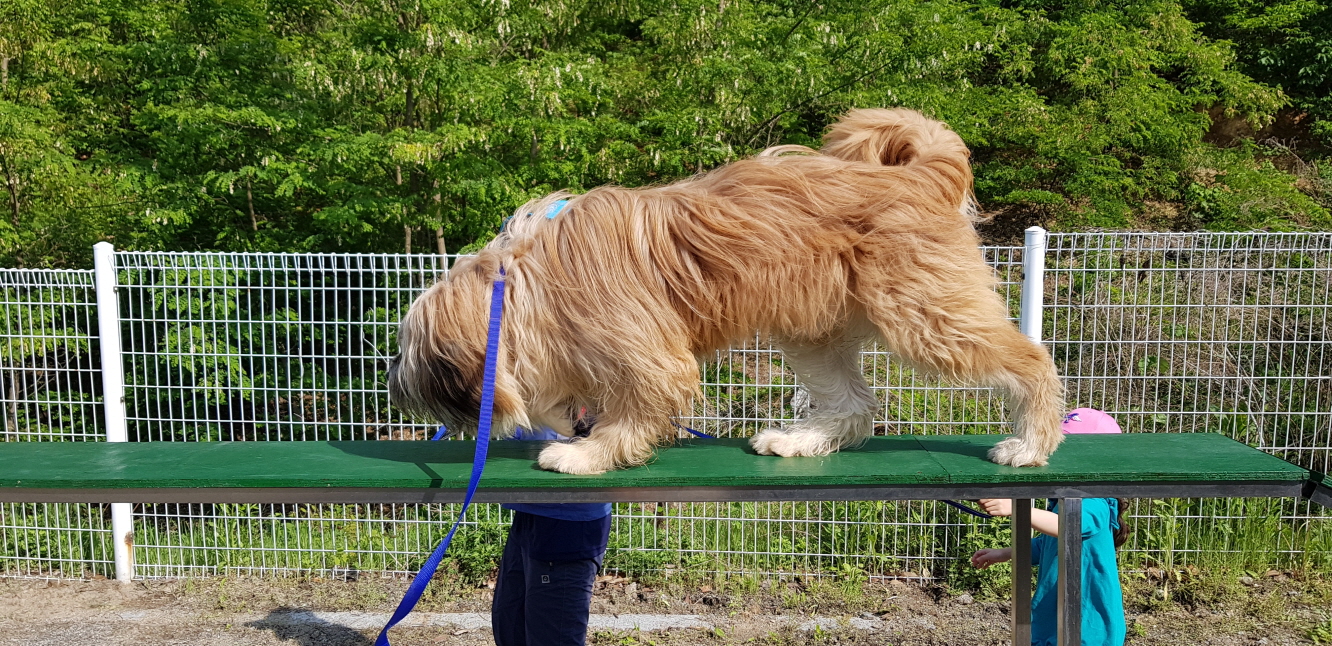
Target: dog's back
888,188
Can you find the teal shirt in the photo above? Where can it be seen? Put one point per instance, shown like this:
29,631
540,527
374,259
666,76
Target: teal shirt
1102,598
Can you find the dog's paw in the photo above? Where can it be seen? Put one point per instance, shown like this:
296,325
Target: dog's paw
790,444
568,457
1015,452
762,441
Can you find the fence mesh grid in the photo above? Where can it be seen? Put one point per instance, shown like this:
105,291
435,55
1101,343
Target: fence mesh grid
1171,333
50,390
270,347
1204,332
282,347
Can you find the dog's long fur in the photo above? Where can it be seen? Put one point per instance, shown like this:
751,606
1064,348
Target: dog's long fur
611,305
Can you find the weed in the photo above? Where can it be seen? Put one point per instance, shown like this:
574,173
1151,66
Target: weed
851,578
1321,633
611,638
1157,589
993,582
794,599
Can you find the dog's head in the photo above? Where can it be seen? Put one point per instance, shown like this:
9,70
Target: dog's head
440,366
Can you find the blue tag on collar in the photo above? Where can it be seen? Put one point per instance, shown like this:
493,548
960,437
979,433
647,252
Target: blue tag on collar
555,208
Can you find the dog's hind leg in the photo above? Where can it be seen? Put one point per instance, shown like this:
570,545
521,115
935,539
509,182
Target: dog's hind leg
841,403
1036,400
962,333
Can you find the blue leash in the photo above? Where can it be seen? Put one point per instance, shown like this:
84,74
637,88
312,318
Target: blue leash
422,579
696,433
969,510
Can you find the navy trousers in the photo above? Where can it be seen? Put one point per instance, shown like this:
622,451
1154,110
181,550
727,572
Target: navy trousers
543,593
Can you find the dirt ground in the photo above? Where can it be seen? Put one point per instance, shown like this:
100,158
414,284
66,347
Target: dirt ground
1267,610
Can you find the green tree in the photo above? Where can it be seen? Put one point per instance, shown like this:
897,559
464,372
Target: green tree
1286,43
314,125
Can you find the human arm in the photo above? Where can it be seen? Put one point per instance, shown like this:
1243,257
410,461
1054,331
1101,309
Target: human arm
1045,522
985,558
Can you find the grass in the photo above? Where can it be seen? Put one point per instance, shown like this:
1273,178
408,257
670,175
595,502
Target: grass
1321,632
838,543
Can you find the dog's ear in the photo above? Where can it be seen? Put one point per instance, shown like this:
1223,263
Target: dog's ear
481,268
449,384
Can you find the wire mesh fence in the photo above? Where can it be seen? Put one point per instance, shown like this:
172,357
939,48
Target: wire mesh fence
244,347
270,347
1204,332
1221,332
50,392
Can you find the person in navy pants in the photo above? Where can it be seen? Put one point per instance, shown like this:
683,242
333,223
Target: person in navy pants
543,594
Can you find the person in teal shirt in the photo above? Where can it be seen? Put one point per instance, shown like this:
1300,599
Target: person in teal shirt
1103,531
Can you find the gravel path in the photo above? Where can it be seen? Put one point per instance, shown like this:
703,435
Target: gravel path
260,612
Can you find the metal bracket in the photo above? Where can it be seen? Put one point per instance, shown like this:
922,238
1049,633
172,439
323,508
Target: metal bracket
1317,489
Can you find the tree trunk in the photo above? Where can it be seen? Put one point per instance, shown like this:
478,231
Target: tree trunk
249,202
11,183
402,209
410,120
4,71
439,217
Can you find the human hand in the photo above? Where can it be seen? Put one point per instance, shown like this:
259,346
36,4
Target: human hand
997,506
985,558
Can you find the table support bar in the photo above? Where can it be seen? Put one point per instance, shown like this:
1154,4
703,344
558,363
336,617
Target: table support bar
1021,622
1070,572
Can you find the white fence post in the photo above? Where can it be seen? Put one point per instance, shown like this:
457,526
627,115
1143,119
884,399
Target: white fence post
113,395
1029,322
1033,284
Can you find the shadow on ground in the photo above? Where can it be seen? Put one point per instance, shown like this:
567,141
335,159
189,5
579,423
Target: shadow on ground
307,629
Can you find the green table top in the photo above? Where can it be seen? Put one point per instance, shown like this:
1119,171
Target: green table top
893,467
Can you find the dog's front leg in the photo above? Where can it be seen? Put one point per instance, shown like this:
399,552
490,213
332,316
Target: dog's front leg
613,443
841,407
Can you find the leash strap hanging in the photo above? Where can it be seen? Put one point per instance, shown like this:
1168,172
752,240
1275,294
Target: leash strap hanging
696,433
422,579
969,510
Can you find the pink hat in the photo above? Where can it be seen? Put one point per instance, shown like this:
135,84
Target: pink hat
1089,420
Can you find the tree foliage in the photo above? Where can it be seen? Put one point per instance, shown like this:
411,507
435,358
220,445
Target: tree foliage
318,125
1287,43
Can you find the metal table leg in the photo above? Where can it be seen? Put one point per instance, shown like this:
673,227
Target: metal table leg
1021,572
1070,572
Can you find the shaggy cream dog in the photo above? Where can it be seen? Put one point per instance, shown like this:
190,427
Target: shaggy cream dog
611,305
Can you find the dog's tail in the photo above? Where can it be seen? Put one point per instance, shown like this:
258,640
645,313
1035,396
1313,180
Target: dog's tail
902,137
